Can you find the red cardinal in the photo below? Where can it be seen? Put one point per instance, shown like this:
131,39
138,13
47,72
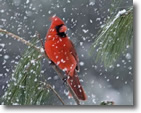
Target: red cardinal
61,51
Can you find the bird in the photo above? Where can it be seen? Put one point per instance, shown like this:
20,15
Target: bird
61,51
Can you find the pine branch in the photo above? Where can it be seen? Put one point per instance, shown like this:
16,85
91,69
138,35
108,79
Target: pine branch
56,68
48,86
113,37
24,87
19,39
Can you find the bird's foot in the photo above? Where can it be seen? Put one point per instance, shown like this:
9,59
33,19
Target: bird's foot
65,80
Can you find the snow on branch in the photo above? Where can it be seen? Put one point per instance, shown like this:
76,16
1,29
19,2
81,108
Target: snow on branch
113,37
39,49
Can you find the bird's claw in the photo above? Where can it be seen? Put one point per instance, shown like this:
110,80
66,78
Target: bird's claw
65,80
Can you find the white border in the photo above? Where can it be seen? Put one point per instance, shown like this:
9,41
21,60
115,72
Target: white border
99,109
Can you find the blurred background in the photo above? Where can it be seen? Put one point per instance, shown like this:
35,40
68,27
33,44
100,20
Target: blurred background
83,19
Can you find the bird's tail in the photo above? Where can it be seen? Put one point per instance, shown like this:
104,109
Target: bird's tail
76,86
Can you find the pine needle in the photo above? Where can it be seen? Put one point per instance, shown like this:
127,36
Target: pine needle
24,87
113,38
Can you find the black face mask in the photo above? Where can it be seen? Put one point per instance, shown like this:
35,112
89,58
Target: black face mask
60,34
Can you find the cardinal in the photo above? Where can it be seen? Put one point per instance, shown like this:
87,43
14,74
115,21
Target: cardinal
61,52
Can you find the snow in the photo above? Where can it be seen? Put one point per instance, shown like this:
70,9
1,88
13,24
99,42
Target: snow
82,55
91,21
68,1
66,92
94,101
2,45
125,82
63,61
3,87
127,46
49,78
33,62
130,67
98,19
130,73
116,17
56,57
118,65
64,9
6,57
65,69
119,14
15,104
35,80
92,2
7,70
81,43
1,74
17,2
117,77
79,86
128,56
42,50
81,63
2,11
58,62
56,77
3,20
27,1
85,30
29,13
80,90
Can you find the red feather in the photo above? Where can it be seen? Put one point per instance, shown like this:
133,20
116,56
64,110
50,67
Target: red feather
61,51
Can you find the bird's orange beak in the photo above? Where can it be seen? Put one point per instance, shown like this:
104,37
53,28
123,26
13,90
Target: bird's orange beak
63,29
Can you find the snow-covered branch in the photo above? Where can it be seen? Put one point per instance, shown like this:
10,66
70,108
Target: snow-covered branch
39,49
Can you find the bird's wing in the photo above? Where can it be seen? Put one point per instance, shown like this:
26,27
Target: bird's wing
73,51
